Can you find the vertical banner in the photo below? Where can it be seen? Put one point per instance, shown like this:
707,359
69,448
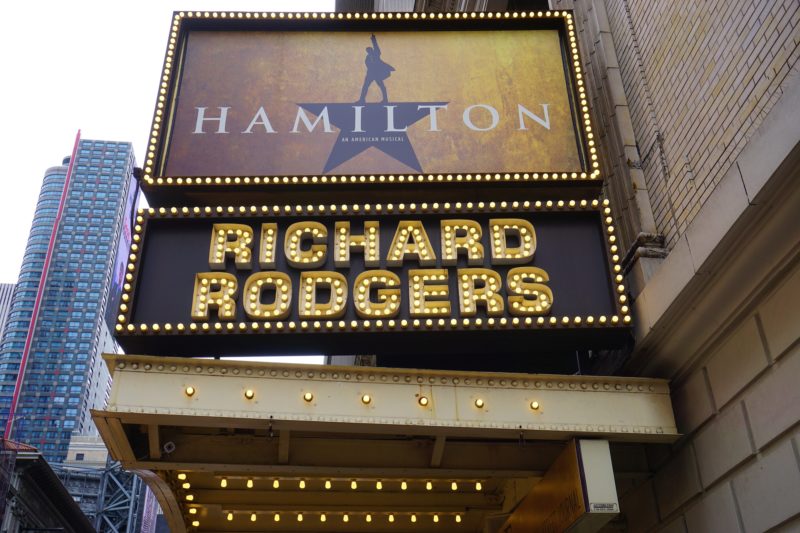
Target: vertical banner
123,248
149,512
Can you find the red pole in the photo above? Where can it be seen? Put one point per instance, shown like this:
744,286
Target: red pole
23,363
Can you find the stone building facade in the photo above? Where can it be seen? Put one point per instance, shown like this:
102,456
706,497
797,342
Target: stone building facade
699,107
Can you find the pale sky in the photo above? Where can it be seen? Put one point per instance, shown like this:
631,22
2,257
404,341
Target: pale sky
84,64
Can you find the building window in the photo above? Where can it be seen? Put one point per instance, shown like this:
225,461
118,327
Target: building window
79,457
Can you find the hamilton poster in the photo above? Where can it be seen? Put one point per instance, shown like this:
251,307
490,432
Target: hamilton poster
252,103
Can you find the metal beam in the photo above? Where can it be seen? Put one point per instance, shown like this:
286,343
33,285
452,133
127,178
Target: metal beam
438,451
117,433
325,471
365,498
154,441
616,408
345,454
283,446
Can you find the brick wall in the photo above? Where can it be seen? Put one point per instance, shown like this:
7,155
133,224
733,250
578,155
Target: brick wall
624,185
737,469
703,74
678,90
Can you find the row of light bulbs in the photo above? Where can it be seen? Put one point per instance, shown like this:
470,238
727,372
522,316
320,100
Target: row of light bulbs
391,324
276,484
366,399
300,517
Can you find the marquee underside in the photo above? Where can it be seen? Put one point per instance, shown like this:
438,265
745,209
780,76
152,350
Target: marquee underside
222,443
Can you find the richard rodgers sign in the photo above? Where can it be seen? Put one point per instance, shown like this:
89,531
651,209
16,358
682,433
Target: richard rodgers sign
400,273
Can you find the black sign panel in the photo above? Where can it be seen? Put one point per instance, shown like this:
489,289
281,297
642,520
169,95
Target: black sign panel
470,278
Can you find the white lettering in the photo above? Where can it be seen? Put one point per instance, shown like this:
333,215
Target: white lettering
522,112
492,111
432,114
390,119
357,126
262,119
201,118
301,115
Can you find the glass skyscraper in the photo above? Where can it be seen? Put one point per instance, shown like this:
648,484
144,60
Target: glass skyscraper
6,292
65,375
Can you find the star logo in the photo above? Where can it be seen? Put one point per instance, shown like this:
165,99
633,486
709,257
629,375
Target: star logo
365,125
380,125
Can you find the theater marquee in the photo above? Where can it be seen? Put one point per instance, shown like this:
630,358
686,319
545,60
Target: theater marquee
272,101
432,278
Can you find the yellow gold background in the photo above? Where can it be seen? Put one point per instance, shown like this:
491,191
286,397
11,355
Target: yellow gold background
246,70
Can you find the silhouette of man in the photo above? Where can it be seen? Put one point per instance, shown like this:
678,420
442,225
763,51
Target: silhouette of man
377,71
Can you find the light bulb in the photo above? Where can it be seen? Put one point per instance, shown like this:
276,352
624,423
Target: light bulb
276,484
458,518
223,483
478,485
230,517
249,483
453,486
322,517
353,485
302,483
428,486
378,485
345,518
328,484
403,485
